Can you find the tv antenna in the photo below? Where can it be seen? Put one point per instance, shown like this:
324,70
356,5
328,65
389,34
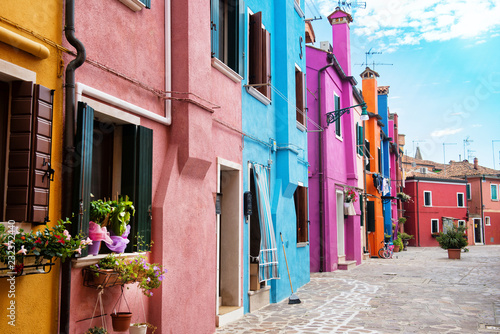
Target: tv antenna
351,4
469,154
467,142
369,53
315,10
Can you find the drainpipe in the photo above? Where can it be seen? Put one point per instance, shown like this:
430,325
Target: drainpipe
321,177
69,151
482,212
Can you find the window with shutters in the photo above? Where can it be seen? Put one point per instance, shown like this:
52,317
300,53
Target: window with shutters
338,122
300,97
302,214
494,192
116,160
259,49
468,191
227,33
359,140
25,151
367,159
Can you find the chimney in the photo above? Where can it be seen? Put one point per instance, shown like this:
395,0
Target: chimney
476,163
341,38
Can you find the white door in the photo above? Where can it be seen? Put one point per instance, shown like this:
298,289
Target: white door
340,224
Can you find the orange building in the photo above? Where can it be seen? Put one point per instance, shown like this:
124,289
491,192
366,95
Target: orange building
374,213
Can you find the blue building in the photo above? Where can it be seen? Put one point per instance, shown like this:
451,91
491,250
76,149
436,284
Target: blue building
385,141
274,151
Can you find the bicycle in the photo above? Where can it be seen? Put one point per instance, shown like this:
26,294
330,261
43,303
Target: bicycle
386,251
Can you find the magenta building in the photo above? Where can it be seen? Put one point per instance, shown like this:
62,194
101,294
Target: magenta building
335,236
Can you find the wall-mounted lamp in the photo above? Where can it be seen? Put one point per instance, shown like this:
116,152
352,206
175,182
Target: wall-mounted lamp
333,116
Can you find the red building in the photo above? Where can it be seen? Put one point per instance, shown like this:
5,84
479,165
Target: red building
436,201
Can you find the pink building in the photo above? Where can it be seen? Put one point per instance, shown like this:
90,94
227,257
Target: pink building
166,124
335,238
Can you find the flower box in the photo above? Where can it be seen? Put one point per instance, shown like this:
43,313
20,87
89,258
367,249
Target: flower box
103,278
28,265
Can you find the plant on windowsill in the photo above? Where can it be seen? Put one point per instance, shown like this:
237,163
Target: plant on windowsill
43,246
453,240
349,199
403,197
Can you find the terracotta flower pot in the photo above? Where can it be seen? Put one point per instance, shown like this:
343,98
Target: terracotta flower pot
454,254
121,321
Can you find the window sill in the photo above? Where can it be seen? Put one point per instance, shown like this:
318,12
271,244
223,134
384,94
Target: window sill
258,95
226,70
298,9
266,288
339,138
134,5
302,244
301,127
434,235
90,260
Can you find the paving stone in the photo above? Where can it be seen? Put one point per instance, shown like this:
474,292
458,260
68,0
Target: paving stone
418,291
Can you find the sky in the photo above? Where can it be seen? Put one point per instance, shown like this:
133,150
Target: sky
444,75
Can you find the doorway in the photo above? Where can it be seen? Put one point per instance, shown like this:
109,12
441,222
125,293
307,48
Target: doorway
478,231
229,250
340,226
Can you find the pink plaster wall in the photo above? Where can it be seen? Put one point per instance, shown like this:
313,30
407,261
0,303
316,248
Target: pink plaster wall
184,154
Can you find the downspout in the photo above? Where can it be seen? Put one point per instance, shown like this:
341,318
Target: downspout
366,248
482,212
418,217
321,176
69,151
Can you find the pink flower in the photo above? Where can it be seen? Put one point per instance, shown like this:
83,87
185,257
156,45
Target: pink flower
79,250
67,235
22,250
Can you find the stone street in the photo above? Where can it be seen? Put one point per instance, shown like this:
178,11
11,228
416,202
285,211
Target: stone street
418,291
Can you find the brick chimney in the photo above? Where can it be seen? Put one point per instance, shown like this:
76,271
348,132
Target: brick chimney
476,163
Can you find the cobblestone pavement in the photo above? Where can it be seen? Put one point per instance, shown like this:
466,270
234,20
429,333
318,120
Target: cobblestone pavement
418,291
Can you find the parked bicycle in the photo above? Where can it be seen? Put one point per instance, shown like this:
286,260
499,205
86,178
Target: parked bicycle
386,251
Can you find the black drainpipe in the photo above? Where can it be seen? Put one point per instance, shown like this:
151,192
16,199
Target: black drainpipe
69,154
321,176
418,216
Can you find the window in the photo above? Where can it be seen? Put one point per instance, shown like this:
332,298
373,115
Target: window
468,191
427,198
487,221
259,49
461,223
359,139
300,96
338,125
379,156
367,158
226,33
300,198
434,226
494,192
116,159
25,151
460,200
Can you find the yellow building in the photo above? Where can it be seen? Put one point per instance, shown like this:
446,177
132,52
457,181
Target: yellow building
31,95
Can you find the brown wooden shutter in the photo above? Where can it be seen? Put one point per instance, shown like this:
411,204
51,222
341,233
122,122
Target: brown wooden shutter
29,156
300,96
302,214
255,44
266,63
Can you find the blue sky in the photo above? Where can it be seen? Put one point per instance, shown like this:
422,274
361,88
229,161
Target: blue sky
445,78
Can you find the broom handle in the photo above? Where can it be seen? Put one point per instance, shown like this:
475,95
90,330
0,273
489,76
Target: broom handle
288,271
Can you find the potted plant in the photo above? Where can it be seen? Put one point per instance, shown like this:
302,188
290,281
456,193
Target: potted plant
403,197
99,219
141,328
398,244
349,199
405,237
119,218
43,245
97,330
453,240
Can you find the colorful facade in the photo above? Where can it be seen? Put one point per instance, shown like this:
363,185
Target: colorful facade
436,202
275,148
335,237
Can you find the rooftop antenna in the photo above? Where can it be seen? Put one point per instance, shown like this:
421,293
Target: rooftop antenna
369,53
344,5
316,9
469,154
444,151
467,142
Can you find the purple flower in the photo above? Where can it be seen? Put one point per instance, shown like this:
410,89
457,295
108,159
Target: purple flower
155,268
160,278
148,279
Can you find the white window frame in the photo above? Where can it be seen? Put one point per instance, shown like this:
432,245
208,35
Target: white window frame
491,192
461,223
487,221
430,192
339,136
437,225
463,200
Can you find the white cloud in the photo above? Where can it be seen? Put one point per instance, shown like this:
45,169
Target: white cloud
408,22
445,132
476,125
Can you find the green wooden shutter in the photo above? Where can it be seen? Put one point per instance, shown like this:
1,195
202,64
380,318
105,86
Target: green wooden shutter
337,123
146,3
137,180
83,168
214,25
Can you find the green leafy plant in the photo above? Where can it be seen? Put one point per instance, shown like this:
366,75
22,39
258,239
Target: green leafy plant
453,238
53,242
349,195
96,330
405,236
404,197
398,242
100,211
123,210
401,220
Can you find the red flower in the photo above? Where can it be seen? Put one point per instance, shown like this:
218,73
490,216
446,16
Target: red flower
18,268
38,241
